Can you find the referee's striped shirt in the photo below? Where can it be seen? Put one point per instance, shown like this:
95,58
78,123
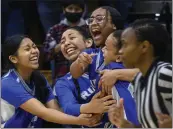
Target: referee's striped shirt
153,93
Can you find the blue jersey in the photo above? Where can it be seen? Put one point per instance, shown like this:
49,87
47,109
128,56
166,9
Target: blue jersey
68,96
124,89
97,63
14,94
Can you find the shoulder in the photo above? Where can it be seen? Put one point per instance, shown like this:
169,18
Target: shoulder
164,73
58,27
8,81
54,26
164,68
64,81
84,80
67,77
85,76
13,91
115,65
92,50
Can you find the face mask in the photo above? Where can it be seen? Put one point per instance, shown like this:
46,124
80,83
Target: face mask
73,17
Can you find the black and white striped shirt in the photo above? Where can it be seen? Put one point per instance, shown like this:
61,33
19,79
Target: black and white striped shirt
153,93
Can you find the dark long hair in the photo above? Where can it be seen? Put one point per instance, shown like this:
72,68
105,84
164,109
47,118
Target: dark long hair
117,19
11,47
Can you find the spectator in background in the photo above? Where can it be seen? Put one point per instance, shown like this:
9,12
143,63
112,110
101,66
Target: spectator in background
73,11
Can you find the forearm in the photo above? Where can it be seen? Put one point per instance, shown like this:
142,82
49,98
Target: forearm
86,108
55,116
126,74
35,107
53,105
76,70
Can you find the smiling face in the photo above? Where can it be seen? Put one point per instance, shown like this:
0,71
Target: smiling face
27,56
100,26
110,51
72,44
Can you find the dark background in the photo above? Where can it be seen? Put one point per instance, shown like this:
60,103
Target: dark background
28,17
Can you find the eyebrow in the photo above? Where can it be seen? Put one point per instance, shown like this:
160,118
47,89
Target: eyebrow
123,41
96,16
33,44
25,45
70,34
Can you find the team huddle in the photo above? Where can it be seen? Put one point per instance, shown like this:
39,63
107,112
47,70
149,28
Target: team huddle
118,77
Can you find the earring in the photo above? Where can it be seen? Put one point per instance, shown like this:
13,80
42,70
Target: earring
114,27
118,59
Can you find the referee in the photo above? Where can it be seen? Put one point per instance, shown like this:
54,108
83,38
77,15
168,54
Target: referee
143,46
